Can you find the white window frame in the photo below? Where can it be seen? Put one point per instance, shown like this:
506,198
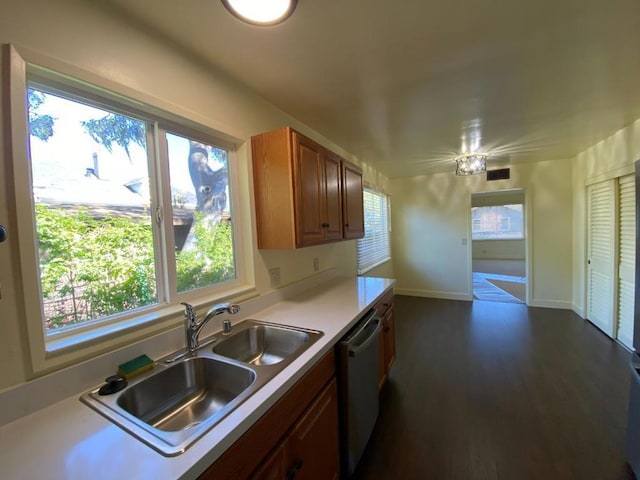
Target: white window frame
53,350
374,248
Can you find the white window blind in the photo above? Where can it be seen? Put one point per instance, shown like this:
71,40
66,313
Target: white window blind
374,248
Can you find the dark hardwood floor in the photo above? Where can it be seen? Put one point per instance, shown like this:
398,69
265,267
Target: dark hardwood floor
489,390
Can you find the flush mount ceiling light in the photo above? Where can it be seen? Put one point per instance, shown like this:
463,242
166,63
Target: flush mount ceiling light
261,12
471,163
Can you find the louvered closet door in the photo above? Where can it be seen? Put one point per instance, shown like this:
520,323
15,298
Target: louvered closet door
601,255
626,264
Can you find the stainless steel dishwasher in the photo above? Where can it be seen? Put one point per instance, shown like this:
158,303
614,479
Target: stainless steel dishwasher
358,356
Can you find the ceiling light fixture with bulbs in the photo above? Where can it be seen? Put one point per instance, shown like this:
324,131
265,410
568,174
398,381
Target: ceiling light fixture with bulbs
471,164
261,12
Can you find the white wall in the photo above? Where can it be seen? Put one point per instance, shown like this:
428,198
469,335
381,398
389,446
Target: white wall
610,158
431,224
90,37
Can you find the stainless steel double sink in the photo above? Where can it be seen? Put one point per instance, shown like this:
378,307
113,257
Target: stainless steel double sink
174,404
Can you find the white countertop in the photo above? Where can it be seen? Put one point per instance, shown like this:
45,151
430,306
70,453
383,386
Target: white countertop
68,440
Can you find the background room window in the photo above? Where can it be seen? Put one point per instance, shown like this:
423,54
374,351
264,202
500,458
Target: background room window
108,240
374,249
497,222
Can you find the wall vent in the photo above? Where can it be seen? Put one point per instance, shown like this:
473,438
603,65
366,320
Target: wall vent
500,174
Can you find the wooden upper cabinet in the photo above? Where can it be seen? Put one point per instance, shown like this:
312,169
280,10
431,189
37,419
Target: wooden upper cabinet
333,192
299,191
273,189
352,201
310,189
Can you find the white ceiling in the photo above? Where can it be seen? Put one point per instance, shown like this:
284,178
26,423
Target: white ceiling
398,83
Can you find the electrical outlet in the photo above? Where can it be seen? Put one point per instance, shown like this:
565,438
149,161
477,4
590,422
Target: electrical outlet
274,274
316,264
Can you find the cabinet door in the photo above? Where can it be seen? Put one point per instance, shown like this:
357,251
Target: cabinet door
382,364
310,195
333,193
313,443
353,209
275,466
389,329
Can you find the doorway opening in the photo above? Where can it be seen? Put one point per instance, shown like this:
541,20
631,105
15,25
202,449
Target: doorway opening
498,246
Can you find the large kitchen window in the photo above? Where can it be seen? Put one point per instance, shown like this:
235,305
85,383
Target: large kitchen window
123,211
374,248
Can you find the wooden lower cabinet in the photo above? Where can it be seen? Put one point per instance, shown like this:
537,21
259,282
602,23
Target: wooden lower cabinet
297,438
389,334
387,338
311,450
382,368
275,466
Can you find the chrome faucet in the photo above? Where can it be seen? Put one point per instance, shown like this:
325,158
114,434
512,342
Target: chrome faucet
192,326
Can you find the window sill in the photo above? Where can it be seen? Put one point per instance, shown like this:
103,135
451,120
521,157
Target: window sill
375,265
84,342
495,239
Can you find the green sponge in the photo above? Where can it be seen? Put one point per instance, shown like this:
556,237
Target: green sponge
135,367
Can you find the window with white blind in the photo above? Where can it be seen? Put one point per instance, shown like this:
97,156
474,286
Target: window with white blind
374,248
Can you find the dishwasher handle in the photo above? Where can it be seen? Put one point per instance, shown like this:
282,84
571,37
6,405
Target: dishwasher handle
354,350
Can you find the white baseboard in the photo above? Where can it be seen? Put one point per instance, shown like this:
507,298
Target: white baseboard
551,304
578,311
432,294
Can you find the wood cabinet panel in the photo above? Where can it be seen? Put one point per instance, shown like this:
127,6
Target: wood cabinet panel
387,339
352,201
389,330
313,443
310,191
273,189
333,196
300,192
268,431
382,364
275,466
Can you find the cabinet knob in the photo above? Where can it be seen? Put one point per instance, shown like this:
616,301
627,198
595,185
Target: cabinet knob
3,233
325,225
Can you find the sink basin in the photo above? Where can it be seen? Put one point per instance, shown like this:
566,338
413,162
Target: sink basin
170,407
262,344
178,401
186,394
